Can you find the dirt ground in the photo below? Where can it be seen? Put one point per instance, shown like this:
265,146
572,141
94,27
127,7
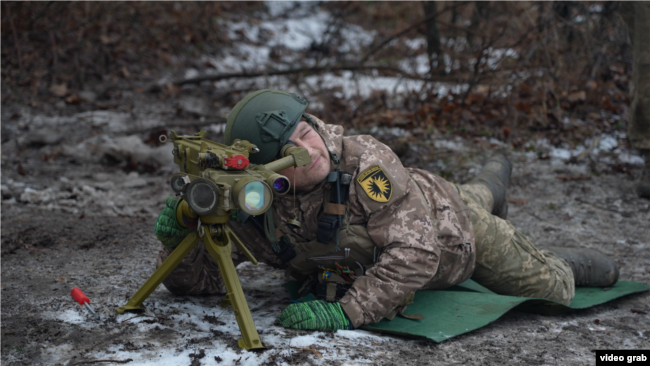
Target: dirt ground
78,213
82,182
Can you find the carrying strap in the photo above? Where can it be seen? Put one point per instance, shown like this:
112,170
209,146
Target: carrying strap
332,220
311,121
279,243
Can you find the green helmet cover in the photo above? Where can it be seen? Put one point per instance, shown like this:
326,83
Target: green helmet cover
266,118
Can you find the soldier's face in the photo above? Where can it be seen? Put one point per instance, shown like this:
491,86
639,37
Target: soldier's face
309,176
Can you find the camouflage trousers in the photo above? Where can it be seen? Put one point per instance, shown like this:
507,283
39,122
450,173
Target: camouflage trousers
637,17
198,273
506,261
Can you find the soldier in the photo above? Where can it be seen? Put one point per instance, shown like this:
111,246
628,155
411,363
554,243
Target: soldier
637,17
365,233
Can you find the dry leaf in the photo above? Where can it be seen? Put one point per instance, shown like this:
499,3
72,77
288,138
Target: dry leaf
518,202
59,90
106,39
73,99
594,116
313,348
579,96
61,279
173,89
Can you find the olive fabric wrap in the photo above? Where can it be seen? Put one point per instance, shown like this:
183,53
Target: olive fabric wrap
167,229
315,315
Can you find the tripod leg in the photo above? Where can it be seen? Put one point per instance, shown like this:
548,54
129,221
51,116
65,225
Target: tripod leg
233,238
221,254
161,273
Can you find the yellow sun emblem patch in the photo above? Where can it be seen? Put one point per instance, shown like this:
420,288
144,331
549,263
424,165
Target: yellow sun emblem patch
376,184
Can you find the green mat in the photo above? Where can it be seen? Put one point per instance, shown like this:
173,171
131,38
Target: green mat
470,306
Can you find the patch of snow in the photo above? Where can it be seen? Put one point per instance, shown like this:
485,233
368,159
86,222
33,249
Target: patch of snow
559,153
295,27
456,144
596,8
359,334
217,128
496,142
125,148
57,353
416,43
278,8
307,340
72,316
607,143
113,121
31,195
499,54
191,73
629,158
395,131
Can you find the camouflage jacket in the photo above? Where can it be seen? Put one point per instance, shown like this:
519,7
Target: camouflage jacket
416,219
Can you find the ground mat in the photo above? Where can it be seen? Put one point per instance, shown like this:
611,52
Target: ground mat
469,306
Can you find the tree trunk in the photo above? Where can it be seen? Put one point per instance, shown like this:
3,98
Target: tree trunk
434,50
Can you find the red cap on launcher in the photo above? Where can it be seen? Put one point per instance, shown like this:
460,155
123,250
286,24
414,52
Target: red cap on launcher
236,161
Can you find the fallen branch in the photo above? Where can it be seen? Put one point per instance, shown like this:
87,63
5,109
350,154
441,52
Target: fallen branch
624,214
100,361
311,70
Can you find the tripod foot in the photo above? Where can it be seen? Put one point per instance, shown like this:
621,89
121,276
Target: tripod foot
257,345
129,308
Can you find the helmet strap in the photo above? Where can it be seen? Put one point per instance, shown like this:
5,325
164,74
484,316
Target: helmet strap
311,121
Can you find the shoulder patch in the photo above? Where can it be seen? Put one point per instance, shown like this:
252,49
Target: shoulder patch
376,184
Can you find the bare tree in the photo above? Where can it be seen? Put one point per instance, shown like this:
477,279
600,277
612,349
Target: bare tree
434,49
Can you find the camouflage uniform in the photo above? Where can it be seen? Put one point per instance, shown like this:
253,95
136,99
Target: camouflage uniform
637,17
413,232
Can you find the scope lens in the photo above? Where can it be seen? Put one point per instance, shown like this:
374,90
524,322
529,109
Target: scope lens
281,185
202,196
254,198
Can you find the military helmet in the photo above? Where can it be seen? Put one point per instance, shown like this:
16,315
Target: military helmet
266,118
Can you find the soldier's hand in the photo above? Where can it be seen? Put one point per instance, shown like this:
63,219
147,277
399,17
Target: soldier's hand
167,229
315,315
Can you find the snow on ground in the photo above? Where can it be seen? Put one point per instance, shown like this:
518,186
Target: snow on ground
289,30
202,318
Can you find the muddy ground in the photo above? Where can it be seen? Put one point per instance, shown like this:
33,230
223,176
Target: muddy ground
81,191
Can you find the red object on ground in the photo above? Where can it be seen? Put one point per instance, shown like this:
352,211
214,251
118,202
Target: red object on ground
236,161
79,296
82,299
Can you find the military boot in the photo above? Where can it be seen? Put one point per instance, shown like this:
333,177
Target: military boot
643,187
496,176
590,267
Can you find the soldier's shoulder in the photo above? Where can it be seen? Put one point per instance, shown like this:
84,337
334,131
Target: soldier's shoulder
379,176
360,148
